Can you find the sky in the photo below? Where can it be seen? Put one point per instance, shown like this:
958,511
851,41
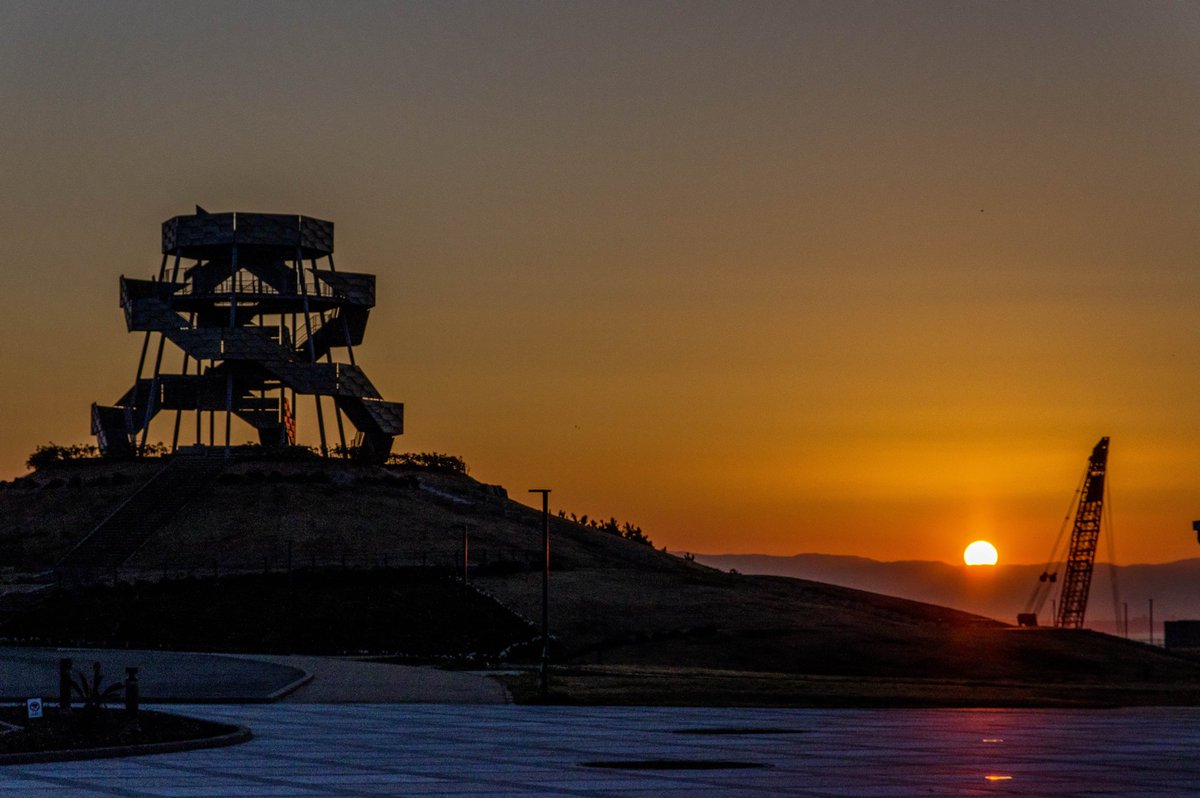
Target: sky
853,278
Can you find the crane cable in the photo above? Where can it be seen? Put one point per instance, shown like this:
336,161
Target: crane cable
1112,559
1036,601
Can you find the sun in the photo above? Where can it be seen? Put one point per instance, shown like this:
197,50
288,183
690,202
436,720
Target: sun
980,553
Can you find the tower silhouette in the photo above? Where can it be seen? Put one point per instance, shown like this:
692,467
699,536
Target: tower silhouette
259,310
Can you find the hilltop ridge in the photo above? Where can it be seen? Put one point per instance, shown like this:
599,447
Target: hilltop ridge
997,591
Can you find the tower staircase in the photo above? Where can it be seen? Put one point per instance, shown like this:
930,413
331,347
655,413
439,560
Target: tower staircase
255,317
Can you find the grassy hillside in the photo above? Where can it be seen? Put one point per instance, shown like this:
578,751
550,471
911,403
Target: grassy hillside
996,592
421,613
614,602
326,513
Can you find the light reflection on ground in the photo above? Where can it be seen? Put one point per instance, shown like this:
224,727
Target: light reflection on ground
428,750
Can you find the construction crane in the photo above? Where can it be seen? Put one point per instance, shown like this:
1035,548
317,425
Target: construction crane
1081,558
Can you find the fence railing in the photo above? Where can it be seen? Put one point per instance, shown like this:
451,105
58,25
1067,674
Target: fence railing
244,284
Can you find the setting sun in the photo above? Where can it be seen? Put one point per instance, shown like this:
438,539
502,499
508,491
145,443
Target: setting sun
980,553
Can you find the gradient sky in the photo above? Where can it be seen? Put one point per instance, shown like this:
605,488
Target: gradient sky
857,278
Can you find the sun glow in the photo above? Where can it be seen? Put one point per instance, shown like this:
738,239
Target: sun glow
980,553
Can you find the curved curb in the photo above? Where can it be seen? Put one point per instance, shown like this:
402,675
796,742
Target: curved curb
240,734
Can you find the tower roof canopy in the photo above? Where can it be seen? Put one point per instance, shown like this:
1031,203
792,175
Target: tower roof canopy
203,235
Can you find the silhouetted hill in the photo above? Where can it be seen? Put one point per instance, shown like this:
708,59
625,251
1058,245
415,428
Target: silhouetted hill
996,592
613,601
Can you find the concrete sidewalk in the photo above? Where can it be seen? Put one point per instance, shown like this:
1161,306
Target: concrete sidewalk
191,677
343,681
162,675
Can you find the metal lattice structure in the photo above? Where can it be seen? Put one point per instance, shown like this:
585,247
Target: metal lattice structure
259,310
1077,576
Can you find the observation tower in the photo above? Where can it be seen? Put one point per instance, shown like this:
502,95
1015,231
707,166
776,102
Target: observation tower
259,311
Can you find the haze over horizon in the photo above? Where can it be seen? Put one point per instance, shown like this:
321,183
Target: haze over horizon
957,563
859,278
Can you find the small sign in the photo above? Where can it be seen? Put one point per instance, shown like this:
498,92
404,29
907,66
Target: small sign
34,707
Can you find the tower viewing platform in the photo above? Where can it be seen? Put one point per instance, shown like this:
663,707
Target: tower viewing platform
262,316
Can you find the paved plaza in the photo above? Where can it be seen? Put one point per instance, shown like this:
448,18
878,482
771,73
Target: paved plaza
442,750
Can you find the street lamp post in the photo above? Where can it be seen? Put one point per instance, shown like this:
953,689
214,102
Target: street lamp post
543,674
466,559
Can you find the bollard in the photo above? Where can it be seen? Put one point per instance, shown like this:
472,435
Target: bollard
131,693
64,685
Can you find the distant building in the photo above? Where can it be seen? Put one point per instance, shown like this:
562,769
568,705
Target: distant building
1182,634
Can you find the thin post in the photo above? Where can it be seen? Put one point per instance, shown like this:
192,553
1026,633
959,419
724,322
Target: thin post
162,338
1151,621
337,410
212,417
329,359
199,390
292,346
179,410
142,357
312,351
1125,607
342,318
162,270
233,270
228,407
466,560
280,415
544,671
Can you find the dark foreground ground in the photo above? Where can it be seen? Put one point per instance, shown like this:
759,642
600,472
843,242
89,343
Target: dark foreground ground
614,685
83,729
367,751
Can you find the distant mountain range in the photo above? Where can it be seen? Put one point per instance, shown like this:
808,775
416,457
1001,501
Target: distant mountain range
997,592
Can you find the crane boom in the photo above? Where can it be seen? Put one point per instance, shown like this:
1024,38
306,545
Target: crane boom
1077,578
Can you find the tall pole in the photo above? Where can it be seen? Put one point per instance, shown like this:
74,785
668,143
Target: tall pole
1151,621
150,404
162,339
543,673
466,568
1125,610
312,352
329,355
184,370
233,292
179,411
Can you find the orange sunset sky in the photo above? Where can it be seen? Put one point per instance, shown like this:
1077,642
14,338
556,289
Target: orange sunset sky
856,278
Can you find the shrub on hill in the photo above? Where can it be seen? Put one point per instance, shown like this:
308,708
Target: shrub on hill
53,454
610,527
432,461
